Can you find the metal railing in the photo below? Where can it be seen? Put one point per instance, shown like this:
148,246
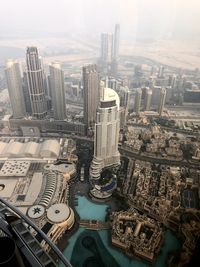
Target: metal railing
24,218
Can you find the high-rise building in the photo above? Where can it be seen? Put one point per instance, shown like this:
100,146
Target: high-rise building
147,99
116,42
124,95
161,101
91,87
106,47
57,91
26,93
36,83
14,82
161,72
106,139
110,51
172,81
138,98
106,53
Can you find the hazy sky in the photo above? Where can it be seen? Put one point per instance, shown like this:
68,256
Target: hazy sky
138,18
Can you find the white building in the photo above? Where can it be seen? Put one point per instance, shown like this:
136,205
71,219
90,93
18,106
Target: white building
106,134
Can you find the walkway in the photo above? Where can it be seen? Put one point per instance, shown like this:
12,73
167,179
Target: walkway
94,224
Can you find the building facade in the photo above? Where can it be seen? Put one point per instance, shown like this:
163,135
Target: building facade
116,42
147,99
57,91
91,87
106,139
36,83
161,103
138,98
14,82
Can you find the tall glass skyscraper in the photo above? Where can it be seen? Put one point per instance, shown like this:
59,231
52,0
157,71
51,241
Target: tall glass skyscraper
91,87
36,83
14,82
57,91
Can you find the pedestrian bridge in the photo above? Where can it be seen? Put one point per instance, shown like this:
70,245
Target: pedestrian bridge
94,224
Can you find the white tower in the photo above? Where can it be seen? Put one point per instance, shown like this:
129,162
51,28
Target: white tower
106,134
14,82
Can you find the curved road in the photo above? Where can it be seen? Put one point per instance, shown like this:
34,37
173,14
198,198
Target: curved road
182,163
129,153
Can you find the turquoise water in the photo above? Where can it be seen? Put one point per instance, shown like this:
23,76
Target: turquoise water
89,210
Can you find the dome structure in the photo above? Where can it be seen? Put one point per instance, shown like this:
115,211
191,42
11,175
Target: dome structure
61,214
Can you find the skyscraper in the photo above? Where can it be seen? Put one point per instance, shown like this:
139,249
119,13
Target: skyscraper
26,93
124,95
106,52
138,97
36,83
106,47
106,139
161,101
161,72
57,91
116,42
14,82
147,99
91,87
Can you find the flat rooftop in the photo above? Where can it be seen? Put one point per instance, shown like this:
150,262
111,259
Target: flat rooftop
15,168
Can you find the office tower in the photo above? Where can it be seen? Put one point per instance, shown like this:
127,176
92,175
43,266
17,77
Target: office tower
106,138
116,42
172,81
57,91
14,82
91,93
138,97
107,53
161,101
161,72
36,83
106,47
26,93
147,99
124,95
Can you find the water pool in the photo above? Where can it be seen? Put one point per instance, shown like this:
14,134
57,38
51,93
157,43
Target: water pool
90,210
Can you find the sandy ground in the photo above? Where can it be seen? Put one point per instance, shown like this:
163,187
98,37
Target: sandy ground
180,54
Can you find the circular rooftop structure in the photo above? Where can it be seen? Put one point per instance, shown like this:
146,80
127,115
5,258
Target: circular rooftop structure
36,211
109,95
61,214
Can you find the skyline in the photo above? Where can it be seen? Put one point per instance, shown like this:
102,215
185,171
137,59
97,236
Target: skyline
100,105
